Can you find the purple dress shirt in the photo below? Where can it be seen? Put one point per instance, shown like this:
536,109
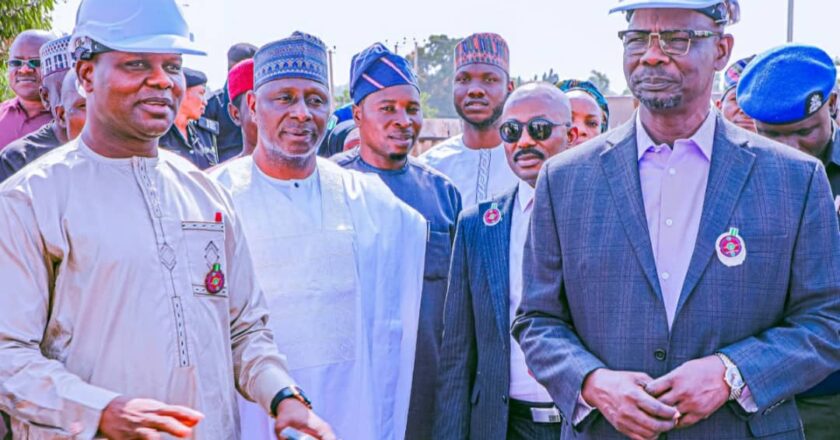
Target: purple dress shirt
15,123
673,182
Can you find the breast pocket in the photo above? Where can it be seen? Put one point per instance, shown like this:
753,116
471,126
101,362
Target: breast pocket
207,266
438,253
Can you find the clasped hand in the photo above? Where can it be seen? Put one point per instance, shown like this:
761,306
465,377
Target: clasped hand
643,408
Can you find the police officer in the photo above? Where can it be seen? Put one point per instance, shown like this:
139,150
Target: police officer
789,92
230,136
192,135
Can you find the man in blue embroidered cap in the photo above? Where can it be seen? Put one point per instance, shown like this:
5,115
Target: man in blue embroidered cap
339,256
728,102
386,108
789,90
716,249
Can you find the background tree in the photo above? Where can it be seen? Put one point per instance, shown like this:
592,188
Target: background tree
435,68
17,16
601,81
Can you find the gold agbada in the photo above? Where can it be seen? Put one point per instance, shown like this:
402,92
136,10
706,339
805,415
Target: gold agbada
104,269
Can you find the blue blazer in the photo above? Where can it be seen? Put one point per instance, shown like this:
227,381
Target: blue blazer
474,372
592,297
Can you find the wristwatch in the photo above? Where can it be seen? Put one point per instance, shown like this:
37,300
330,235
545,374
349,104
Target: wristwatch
732,377
291,392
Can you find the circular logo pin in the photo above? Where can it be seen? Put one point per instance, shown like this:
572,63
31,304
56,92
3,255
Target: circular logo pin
214,282
731,248
492,216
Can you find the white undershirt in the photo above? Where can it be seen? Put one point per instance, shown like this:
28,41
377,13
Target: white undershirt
523,386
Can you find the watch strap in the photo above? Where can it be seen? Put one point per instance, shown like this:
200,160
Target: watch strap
290,392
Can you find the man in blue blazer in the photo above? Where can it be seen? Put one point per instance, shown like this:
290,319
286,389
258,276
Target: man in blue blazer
484,389
682,274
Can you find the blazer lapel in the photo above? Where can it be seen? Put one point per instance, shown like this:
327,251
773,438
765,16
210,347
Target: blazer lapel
621,169
496,255
728,173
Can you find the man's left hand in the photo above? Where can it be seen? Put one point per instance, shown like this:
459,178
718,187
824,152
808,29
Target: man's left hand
292,413
696,388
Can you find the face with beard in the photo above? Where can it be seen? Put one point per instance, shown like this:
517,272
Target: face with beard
665,82
480,92
389,123
291,116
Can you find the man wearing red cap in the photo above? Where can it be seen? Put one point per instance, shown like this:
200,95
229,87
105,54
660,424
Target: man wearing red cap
240,85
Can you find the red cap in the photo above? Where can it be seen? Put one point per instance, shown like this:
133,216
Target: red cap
241,78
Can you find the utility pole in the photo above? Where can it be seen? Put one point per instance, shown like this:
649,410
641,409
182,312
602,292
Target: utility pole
790,22
332,78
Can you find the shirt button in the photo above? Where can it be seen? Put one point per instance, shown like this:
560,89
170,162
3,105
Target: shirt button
504,399
672,171
660,354
666,276
669,222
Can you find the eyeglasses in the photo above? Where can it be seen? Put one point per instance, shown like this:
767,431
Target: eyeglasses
33,63
673,43
539,128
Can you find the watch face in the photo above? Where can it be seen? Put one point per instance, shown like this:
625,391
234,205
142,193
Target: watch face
733,379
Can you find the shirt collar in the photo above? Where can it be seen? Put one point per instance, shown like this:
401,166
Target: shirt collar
704,137
525,195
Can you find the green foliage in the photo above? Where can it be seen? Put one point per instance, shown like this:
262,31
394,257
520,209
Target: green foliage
601,81
17,16
435,72
550,77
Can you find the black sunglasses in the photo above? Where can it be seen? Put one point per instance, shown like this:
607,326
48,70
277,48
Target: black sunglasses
34,63
539,128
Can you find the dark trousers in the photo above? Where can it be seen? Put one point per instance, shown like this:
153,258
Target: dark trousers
522,427
820,416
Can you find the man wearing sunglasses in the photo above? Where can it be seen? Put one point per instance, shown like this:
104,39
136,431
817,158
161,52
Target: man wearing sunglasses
24,113
681,273
56,61
484,388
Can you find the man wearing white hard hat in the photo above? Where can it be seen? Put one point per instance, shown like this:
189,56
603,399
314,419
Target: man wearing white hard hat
699,293
129,306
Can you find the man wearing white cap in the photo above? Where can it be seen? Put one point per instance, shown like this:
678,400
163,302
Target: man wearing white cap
681,273
129,307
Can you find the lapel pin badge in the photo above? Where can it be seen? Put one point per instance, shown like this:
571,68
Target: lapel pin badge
731,248
492,216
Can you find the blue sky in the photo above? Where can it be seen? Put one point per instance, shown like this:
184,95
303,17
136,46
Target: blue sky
570,37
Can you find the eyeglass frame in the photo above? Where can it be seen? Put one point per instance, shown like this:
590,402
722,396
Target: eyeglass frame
692,35
526,126
20,63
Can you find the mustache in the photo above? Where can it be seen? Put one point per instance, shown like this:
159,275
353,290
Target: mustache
651,74
528,151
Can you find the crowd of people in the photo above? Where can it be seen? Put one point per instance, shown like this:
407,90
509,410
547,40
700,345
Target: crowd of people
252,263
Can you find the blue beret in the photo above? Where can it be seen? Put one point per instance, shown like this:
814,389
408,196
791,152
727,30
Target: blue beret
786,84
298,56
376,68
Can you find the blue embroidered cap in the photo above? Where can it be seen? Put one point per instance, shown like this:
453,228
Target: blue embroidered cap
298,56
786,84
376,68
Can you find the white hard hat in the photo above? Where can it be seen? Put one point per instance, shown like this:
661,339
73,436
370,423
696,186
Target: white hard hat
722,11
138,26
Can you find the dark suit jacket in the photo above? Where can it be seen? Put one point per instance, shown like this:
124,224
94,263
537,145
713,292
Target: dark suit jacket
592,297
474,371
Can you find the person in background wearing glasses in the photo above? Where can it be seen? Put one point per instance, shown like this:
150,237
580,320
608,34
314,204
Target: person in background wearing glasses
24,113
484,389
680,273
